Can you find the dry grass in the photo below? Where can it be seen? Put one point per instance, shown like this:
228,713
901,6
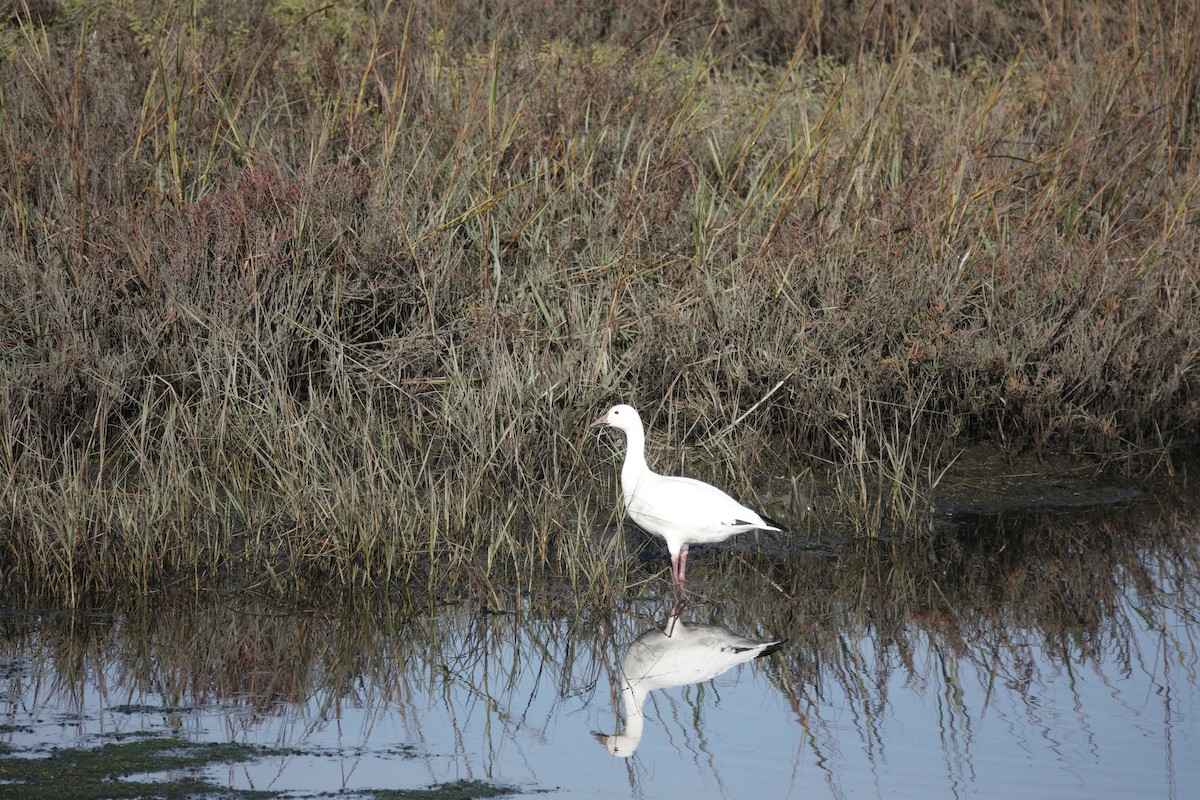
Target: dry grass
295,291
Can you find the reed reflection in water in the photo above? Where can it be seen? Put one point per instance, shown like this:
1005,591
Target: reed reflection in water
1050,654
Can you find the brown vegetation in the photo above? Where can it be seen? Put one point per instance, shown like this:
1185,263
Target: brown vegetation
292,290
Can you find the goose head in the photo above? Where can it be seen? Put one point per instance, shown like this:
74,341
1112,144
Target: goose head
621,417
621,745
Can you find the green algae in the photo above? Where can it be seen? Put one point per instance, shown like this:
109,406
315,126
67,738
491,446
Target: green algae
107,773
458,790
102,772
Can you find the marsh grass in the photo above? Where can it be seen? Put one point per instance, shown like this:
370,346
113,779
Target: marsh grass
293,292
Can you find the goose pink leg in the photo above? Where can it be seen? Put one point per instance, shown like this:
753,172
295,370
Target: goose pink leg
679,566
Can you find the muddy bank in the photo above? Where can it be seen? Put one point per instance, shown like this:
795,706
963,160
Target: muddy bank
983,485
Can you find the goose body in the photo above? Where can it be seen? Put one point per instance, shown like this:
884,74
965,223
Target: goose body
681,510
679,654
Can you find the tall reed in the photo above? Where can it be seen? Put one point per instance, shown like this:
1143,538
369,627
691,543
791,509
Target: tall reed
305,291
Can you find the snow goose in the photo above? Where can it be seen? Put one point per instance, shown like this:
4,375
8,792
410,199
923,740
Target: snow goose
682,511
679,654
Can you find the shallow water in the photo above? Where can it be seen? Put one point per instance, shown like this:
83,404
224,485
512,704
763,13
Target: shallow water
1045,654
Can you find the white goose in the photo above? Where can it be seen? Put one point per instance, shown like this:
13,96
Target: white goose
681,510
680,654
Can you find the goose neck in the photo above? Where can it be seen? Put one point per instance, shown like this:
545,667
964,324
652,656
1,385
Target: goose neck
635,457
633,702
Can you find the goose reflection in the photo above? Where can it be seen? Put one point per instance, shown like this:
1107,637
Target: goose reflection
681,653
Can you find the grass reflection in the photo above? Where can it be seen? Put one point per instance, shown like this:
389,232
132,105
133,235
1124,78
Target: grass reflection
990,617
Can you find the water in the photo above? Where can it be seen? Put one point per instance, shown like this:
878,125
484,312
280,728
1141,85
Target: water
1048,654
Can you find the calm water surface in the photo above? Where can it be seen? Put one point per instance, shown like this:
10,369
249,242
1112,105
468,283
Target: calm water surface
1047,654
